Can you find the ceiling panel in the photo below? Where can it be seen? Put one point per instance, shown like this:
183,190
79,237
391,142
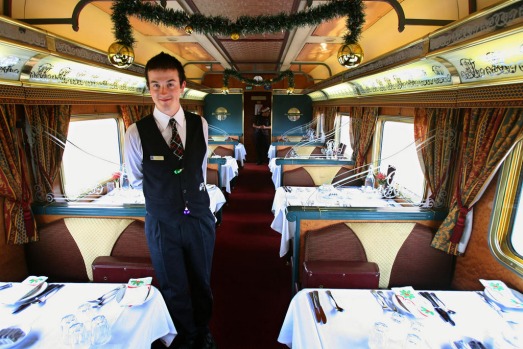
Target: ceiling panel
253,51
188,50
317,52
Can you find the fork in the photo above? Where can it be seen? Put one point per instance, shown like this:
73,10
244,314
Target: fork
380,301
100,300
338,308
382,295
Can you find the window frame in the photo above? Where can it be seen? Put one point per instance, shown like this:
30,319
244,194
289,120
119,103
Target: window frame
120,126
378,143
509,186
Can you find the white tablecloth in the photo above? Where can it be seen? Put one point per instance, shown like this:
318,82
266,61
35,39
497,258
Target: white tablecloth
352,328
276,172
312,196
228,171
272,152
240,153
132,327
121,196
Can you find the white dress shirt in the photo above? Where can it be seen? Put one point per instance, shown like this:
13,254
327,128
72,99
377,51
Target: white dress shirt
133,153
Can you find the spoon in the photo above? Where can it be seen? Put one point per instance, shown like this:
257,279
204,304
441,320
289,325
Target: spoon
338,308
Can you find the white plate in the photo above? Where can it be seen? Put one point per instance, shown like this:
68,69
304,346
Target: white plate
26,330
503,302
121,295
10,296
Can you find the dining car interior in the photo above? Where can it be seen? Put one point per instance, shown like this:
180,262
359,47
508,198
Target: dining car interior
364,170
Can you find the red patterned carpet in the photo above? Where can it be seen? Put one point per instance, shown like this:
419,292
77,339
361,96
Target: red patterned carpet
251,283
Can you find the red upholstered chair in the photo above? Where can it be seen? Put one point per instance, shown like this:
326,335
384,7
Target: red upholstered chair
419,265
298,177
223,151
282,153
348,177
56,255
335,258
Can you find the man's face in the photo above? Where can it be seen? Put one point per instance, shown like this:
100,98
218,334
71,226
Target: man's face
166,90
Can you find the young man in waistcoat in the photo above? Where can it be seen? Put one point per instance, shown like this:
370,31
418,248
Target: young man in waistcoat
166,155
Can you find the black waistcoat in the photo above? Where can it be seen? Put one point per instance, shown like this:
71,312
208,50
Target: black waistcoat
168,191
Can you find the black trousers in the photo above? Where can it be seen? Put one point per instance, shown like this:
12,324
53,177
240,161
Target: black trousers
262,146
181,253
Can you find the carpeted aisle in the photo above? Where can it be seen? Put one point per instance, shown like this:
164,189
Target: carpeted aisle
251,283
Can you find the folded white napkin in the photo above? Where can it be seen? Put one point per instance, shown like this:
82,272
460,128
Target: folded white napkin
502,294
414,303
137,291
26,288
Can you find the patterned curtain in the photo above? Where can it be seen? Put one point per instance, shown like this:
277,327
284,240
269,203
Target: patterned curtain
488,136
362,126
435,132
19,223
47,137
133,113
330,118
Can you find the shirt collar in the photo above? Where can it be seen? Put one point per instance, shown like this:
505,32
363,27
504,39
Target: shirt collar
163,119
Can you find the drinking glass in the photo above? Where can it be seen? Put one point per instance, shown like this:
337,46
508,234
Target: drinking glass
414,341
100,330
66,322
78,336
85,312
379,336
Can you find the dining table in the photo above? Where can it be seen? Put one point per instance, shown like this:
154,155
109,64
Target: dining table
126,196
132,327
228,171
365,323
321,196
240,153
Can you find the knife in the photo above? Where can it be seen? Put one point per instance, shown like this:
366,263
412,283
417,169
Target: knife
40,298
316,310
322,313
444,315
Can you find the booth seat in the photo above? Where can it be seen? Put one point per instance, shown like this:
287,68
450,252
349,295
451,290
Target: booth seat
69,249
403,257
308,176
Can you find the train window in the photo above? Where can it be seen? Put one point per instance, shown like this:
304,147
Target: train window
395,146
342,133
506,227
92,155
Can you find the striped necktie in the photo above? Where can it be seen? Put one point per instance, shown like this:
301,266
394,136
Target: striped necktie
176,144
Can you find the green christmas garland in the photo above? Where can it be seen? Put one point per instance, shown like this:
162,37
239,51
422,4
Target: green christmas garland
230,72
244,25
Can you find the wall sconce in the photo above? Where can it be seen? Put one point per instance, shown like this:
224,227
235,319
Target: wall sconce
221,113
294,114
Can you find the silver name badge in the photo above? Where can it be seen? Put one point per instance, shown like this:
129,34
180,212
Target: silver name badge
156,157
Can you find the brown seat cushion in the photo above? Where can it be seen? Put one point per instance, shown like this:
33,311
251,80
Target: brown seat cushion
348,177
56,255
336,242
298,177
419,265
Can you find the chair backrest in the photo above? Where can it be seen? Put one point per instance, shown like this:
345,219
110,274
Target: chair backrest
348,177
213,176
333,243
419,265
223,151
298,177
282,153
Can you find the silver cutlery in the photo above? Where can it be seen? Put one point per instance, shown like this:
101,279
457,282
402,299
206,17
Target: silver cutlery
338,308
380,301
450,311
494,306
40,299
100,300
3,287
320,308
316,310
444,315
391,305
